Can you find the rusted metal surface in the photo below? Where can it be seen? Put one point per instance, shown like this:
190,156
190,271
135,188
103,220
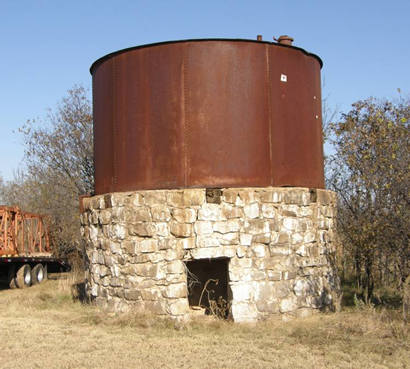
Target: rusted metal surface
22,233
285,40
207,113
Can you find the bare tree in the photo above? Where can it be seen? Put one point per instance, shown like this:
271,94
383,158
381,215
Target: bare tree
59,167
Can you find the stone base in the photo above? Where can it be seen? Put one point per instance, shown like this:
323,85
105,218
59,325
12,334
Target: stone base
277,242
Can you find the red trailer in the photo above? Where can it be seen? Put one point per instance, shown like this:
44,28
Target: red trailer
25,253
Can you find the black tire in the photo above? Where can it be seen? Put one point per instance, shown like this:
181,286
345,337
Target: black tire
37,274
45,268
12,284
11,277
23,276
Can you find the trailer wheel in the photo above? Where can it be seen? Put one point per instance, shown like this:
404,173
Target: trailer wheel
37,274
12,283
45,270
23,276
11,277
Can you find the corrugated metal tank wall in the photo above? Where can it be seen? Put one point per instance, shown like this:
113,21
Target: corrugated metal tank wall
207,113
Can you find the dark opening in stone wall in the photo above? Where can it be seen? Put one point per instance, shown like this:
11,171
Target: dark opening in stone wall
208,286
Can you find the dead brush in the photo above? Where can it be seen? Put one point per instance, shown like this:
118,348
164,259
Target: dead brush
406,300
73,283
220,308
375,323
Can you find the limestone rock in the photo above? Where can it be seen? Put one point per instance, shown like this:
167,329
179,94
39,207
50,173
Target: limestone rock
297,238
242,291
228,239
251,210
154,197
139,214
142,229
289,304
241,251
256,226
210,212
160,213
161,229
181,229
274,275
231,212
156,307
105,216
186,215
246,197
134,199
271,196
268,211
230,196
150,294
259,250
301,287
186,243
87,204
207,241
309,237
301,251
132,294
232,225
115,247
175,267
228,252
167,243
148,245
244,312
245,239
261,238
283,238
173,254
271,307
129,246
290,224
203,227
206,253
177,290
179,307
175,198
277,241
146,270
93,233
194,197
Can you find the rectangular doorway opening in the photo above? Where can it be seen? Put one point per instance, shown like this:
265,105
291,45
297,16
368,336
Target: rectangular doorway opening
208,287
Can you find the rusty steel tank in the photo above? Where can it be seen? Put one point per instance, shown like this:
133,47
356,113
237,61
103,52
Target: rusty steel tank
207,113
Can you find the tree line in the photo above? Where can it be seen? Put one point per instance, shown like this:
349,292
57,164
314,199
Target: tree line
58,158
370,171
368,168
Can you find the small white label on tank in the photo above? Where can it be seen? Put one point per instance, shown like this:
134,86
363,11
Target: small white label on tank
283,78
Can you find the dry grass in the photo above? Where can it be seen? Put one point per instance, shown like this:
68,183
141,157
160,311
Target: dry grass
42,327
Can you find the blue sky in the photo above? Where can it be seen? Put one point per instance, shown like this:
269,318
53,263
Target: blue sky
48,46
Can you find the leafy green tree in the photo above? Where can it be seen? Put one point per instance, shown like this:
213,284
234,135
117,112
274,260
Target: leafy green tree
370,172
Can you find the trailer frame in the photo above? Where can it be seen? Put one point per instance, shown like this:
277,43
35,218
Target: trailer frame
25,253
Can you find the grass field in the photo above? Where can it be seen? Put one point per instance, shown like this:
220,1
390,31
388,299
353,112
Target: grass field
42,327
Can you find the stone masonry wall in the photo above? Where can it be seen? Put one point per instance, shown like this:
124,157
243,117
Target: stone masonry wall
278,241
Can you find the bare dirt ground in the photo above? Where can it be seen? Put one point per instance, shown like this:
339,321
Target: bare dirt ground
42,327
